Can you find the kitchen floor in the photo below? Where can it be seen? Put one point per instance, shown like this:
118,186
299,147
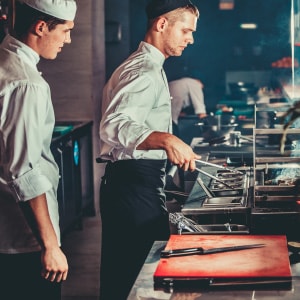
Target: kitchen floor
82,248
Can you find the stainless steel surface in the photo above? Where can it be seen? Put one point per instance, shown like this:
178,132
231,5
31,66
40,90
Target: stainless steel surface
225,228
278,188
215,178
205,188
262,160
286,199
223,201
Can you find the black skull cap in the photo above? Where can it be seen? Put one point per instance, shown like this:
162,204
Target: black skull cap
157,8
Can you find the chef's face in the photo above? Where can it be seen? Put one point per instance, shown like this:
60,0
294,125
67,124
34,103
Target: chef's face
177,36
53,40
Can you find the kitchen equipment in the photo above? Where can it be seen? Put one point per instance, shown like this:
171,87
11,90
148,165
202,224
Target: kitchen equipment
294,246
234,138
215,178
184,223
211,202
217,166
276,173
212,127
202,251
242,90
214,201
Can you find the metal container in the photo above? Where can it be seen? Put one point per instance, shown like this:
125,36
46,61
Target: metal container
212,127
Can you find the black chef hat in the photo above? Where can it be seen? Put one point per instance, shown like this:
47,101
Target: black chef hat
157,8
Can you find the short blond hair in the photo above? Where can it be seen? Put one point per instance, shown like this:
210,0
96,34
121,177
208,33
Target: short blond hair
176,15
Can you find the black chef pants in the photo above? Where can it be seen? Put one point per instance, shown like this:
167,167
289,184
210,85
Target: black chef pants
133,213
20,278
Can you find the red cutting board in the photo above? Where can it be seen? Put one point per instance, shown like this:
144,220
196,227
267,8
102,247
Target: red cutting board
270,262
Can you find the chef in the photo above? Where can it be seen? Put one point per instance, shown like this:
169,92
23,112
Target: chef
32,262
136,140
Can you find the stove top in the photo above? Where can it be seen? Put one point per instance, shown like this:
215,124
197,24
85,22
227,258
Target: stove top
220,197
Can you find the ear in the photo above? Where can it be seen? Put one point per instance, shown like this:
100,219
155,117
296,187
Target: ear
161,24
40,27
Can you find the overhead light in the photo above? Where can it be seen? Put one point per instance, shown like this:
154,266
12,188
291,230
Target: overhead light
248,26
226,4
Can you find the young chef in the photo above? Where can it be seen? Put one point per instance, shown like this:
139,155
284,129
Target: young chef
136,139
32,262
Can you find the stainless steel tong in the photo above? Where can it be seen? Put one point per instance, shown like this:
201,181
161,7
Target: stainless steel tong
215,178
217,166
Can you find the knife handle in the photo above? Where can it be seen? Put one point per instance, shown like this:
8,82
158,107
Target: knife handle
181,252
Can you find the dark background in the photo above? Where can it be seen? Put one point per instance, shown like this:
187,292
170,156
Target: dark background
221,45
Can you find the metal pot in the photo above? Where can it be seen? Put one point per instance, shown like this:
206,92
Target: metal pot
212,127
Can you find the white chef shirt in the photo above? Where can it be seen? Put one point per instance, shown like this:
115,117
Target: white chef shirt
185,92
136,102
27,166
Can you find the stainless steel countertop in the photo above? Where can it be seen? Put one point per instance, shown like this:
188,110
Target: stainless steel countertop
143,289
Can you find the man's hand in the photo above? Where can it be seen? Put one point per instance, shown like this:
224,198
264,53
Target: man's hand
55,266
178,152
181,154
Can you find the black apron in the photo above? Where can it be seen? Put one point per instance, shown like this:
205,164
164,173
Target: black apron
134,215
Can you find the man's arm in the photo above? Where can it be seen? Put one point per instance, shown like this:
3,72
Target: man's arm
178,152
55,266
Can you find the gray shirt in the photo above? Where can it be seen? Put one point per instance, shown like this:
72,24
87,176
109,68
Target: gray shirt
136,102
27,166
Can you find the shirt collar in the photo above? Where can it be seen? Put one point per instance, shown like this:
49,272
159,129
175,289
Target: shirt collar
24,51
154,52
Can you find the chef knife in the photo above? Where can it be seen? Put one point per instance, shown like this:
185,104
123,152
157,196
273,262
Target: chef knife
201,251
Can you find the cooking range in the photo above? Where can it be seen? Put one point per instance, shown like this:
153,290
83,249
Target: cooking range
261,194
220,203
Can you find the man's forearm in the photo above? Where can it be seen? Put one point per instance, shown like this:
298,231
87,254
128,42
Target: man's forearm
156,140
43,226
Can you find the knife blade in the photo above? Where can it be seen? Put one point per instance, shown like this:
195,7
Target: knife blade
201,251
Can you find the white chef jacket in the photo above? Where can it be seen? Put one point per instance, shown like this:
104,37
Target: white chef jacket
27,166
185,92
136,102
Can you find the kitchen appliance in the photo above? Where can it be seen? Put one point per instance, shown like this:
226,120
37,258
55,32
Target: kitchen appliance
242,90
276,172
219,208
218,126
265,199
276,189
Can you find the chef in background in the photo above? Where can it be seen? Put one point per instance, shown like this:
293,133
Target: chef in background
187,98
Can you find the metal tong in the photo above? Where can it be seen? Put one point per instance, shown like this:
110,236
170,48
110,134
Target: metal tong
183,222
215,178
218,166
201,251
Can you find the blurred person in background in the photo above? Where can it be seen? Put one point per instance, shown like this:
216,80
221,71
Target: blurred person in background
187,98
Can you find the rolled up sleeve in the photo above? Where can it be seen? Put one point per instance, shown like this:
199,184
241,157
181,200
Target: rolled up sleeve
30,185
26,136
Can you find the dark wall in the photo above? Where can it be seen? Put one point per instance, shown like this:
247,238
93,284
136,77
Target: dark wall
220,45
